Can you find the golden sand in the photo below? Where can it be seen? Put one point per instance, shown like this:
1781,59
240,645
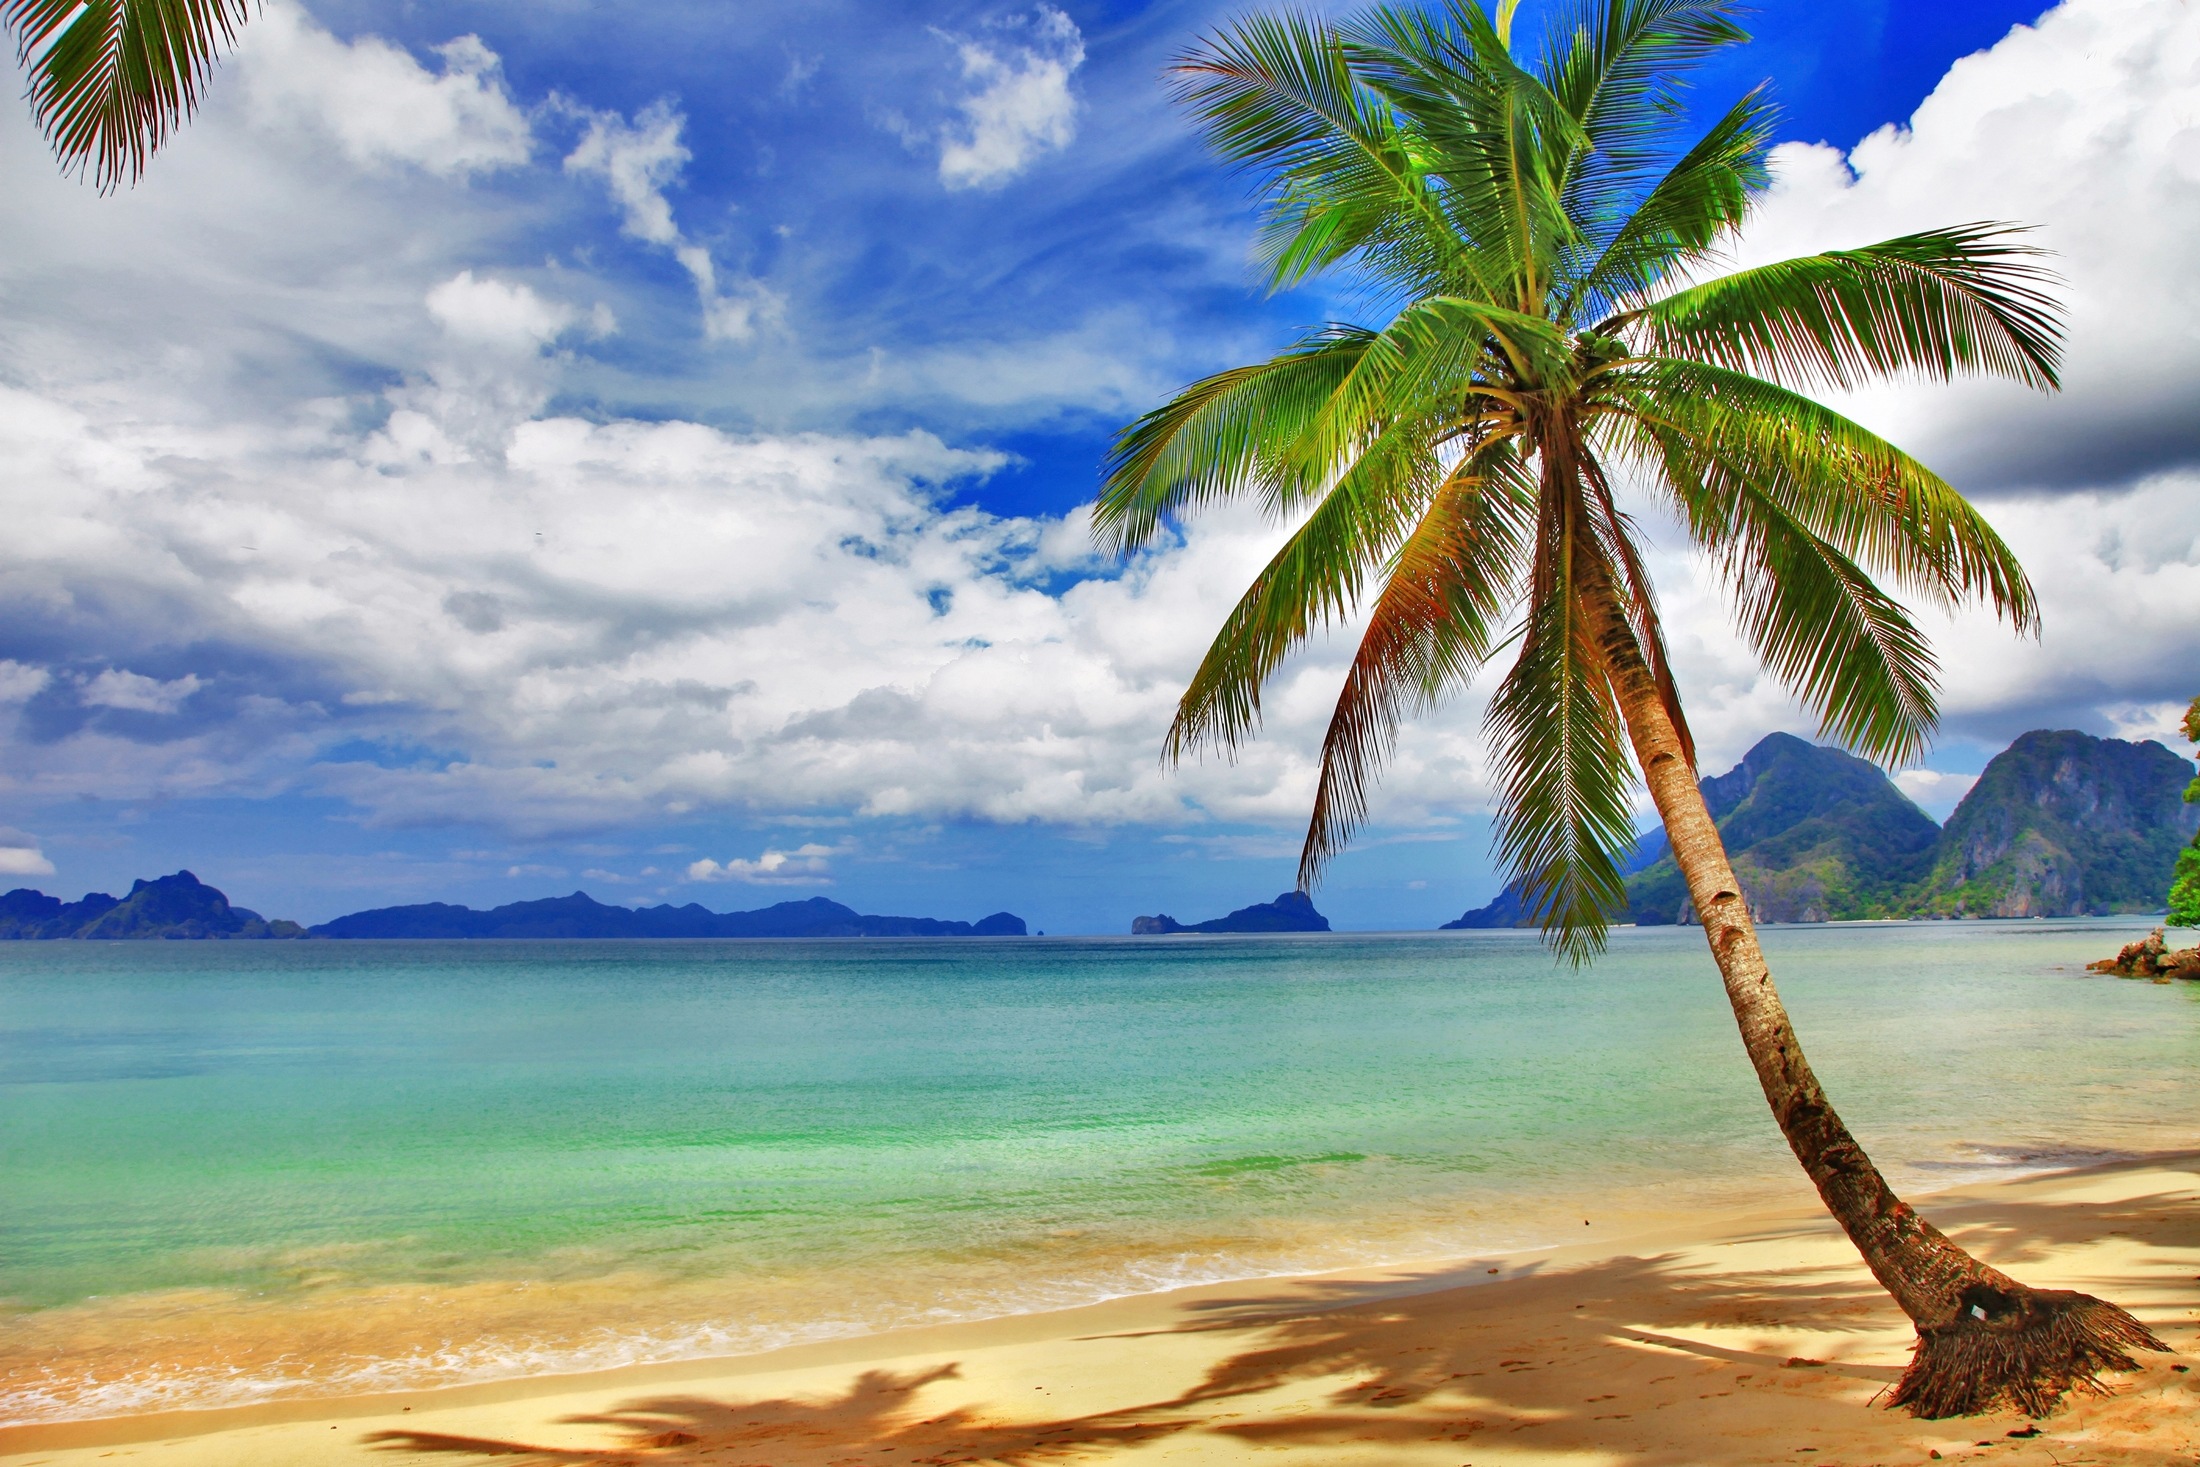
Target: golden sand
1743,1339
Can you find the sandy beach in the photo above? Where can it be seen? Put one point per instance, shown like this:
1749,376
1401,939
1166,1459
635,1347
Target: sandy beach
1741,1339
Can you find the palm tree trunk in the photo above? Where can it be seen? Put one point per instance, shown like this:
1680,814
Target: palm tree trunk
1984,1340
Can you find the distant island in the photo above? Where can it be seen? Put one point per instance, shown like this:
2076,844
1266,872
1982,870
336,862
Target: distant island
178,906
1291,912
581,915
182,907
2060,824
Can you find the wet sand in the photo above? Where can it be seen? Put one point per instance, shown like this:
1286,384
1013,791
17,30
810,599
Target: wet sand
1742,1339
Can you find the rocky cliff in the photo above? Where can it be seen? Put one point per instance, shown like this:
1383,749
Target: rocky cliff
2062,824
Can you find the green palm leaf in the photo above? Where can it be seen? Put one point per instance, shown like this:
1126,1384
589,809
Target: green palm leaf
111,79
1937,303
1427,634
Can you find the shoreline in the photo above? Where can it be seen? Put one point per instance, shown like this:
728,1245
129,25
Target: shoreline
2127,1229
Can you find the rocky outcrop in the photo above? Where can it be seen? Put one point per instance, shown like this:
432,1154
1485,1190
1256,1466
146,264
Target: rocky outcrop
2151,957
177,907
1293,911
2062,824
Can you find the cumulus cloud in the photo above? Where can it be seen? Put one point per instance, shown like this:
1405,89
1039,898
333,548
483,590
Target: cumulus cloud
805,865
1020,105
423,590
637,162
2084,127
498,313
379,103
23,860
137,693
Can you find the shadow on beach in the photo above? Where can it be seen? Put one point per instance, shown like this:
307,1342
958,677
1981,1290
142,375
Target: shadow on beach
1650,1360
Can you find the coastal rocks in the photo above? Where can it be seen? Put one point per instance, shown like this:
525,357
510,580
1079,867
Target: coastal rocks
1293,911
2151,957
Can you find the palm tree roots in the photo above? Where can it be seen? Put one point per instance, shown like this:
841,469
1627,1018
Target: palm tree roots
2025,1351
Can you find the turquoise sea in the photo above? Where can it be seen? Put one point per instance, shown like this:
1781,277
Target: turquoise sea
235,1171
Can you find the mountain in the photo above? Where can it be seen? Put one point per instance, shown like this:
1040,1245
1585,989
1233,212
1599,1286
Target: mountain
1291,912
2062,824
174,907
2059,824
1815,835
580,915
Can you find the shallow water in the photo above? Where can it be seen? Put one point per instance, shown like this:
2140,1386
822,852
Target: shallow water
241,1170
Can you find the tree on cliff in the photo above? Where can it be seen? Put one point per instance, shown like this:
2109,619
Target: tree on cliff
111,79
1543,240
2184,882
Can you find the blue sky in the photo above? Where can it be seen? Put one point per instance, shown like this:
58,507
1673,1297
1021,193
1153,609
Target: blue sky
509,448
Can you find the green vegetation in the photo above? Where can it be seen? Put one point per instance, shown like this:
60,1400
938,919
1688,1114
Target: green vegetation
1816,835
1543,239
111,79
2184,882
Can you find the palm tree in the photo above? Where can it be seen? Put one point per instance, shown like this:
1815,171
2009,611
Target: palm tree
1543,243
111,79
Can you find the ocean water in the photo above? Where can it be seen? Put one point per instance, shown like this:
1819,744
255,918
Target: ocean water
230,1172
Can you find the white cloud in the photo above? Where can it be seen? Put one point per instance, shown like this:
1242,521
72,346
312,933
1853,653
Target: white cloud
1022,105
138,693
638,161
24,861
497,312
378,103
550,623
2087,127
19,680
805,865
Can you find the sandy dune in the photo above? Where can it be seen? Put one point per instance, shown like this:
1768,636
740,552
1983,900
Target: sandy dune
1742,1340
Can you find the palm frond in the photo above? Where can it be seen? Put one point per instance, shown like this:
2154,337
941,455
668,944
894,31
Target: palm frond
111,79
1315,580
1618,67
1491,134
1222,435
1428,632
1639,601
1702,196
1816,620
1565,811
1275,94
1836,478
1939,303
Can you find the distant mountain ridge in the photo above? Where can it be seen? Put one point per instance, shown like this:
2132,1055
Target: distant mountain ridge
183,907
2059,824
1293,911
173,907
582,916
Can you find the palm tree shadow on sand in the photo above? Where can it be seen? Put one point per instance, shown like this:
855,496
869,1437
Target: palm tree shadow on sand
1650,1361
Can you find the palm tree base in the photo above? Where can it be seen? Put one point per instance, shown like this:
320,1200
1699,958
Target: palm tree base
2026,1350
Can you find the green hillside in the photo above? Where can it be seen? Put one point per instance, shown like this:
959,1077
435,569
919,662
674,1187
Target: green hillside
2062,824
1815,835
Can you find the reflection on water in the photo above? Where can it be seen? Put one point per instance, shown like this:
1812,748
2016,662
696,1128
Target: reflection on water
238,1170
